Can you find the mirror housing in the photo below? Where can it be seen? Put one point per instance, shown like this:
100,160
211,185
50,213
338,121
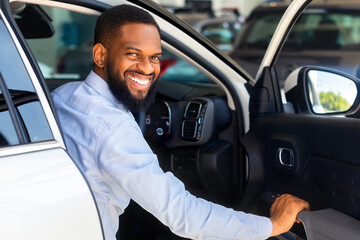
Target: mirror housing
322,91
33,21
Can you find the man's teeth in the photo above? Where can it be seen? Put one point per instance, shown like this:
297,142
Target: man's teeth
142,82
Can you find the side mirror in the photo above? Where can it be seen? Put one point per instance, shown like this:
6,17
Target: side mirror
318,90
330,92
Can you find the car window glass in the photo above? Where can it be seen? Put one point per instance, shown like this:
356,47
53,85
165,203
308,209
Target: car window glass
174,69
325,30
36,130
254,38
68,53
262,31
10,70
26,103
322,37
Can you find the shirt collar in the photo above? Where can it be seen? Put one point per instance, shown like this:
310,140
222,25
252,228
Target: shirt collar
102,88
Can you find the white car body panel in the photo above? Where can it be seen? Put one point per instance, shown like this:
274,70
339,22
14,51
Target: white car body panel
34,191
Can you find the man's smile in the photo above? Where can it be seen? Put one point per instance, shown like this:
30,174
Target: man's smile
139,81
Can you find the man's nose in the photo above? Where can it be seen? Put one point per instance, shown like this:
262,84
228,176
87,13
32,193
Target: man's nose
146,66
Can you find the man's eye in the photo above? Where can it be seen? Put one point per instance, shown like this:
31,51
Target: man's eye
155,58
132,54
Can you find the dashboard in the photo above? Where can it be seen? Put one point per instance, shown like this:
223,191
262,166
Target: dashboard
192,133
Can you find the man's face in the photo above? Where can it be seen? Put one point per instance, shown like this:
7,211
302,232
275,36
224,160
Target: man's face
133,64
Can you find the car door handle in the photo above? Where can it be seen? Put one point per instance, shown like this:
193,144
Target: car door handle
286,157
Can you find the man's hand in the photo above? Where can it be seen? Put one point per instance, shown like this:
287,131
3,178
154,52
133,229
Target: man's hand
283,212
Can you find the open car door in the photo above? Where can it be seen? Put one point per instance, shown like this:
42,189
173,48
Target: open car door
298,145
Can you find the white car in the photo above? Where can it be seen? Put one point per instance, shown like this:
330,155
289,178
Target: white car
248,141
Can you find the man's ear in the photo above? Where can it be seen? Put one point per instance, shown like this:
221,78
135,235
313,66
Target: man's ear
99,55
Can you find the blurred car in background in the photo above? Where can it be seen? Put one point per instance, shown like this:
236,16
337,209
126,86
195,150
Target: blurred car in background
327,34
221,31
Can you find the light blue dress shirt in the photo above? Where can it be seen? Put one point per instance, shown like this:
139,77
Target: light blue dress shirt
108,146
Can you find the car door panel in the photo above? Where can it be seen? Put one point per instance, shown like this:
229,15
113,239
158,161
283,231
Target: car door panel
314,157
34,191
325,158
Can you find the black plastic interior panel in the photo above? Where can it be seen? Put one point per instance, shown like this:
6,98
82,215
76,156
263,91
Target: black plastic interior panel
264,97
326,158
215,167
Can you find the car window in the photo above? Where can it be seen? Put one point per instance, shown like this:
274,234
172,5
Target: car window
325,30
261,31
253,39
23,102
68,53
322,37
174,69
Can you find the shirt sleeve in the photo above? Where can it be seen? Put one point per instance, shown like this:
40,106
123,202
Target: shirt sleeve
124,156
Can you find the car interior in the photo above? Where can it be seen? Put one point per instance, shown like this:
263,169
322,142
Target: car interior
196,133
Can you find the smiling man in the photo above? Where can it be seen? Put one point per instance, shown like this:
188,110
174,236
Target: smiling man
129,63
105,141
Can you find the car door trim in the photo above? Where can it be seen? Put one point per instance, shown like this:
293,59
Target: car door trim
26,148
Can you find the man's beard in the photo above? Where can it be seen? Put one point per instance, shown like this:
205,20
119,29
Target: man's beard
122,93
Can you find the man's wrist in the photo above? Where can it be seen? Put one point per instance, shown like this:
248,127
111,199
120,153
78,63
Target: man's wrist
274,230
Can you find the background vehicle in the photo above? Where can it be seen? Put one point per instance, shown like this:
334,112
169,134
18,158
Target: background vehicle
246,143
222,31
325,35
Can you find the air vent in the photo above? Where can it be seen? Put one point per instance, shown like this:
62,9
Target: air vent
193,110
189,129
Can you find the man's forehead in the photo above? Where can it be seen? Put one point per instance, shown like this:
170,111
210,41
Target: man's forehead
139,36
138,28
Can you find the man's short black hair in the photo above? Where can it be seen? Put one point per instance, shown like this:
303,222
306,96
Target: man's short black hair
110,22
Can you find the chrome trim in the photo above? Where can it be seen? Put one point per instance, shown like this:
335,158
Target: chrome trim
291,156
187,107
169,110
29,147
